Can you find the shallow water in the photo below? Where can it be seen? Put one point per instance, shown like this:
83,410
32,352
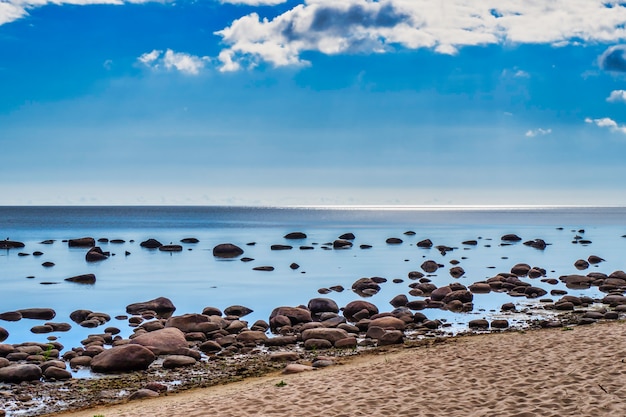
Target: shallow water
194,279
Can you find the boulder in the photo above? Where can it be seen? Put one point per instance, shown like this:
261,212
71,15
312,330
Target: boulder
11,316
399,300
426,243
388,323
96,254
10,244
391,337
4,334
354,307
521,269
457,272
124,358
296,315
189,240
160,305
227,250
330,334
322,305
365,287
430,266
511,238
237,310
83,242
251,337
171,248
83,279
295,235
193,322
20,373
56,374
393,241
38,313
143,393
151,244
178,361
163,342
342,244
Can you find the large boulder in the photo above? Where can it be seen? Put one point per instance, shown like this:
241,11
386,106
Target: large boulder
388,323
4,334
354,307
192,322
322,305
160,305
124,358
227,250
330,334
365,287
10,244
83,242
237,310
296,315
151,244
163,342
83,279
96,254
20,373
38,313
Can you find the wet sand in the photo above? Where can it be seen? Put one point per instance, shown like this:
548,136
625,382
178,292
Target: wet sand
579,371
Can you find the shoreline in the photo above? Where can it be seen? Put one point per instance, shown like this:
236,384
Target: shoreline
576,371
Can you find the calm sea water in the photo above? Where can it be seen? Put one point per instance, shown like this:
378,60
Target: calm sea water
194,279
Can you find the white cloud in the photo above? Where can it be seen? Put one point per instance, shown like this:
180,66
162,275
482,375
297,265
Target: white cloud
170,60
616,96
11,10
255,2
333,27
608,123
538,132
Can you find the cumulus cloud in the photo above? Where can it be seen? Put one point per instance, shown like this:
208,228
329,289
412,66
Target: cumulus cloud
607,123
617,96
11,10
170,60
538,132
614,59
348,26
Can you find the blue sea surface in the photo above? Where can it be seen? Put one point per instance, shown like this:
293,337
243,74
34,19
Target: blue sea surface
194,278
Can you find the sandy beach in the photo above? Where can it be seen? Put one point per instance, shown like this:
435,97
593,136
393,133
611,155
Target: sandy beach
579,371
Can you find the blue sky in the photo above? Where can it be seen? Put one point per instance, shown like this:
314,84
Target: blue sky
313,102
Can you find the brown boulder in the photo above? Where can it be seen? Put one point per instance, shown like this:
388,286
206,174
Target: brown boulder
83,242
163,342
322,305
83,279
330,334
38,313
227,250
161,305
354,307
20,373
124,358
430,266
388,323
